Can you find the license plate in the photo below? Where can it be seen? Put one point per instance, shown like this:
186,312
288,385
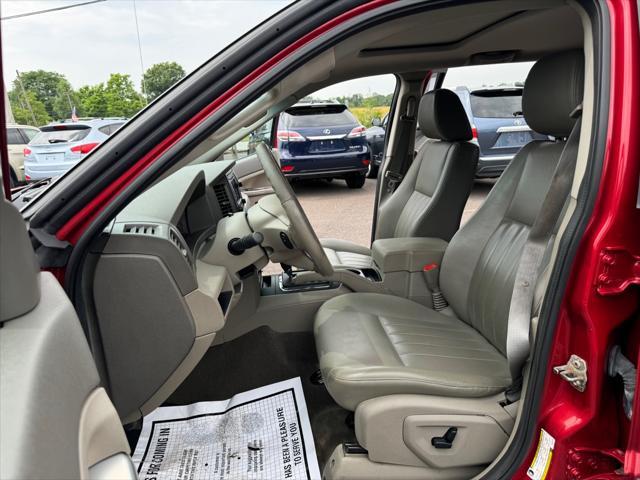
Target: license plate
326,146
513,139
52,157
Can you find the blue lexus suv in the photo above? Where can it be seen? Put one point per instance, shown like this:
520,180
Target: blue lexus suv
322,140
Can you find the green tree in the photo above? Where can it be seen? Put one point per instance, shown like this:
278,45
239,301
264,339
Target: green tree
118,98
46,86
159,77
121,97
92,100
21,111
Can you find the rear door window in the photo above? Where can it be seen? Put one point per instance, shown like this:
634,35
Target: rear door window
496,104
320,116
114,127
29,133
61,134
13,137
111,128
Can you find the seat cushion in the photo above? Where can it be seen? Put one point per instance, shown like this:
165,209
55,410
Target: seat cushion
346,254
370,345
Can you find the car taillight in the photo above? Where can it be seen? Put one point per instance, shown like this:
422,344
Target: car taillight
474,132
366,162
357,132
287,168
26,152
289,136
86,148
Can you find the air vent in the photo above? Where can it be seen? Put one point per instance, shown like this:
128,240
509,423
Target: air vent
141,229
223,199
177,241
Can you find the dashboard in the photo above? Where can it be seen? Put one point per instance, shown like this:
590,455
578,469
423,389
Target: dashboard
164,281
190,203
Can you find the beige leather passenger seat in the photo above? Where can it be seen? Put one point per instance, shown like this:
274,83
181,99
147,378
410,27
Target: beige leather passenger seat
430,200
372,345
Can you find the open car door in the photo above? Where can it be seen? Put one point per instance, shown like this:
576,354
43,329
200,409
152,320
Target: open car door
248,169
56,421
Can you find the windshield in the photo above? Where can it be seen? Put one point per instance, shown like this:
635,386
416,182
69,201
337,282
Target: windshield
60,135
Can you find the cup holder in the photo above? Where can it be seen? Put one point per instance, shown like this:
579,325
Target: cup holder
368,273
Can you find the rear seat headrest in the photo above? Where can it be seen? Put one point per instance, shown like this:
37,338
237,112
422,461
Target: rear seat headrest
19,286
552,91
442,116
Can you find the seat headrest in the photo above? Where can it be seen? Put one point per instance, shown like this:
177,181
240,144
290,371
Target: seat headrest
19,286
442,116
552,91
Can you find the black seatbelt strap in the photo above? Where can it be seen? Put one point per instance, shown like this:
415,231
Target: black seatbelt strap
520,309
406,134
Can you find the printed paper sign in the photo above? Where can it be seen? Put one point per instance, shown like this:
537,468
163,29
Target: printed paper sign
260,434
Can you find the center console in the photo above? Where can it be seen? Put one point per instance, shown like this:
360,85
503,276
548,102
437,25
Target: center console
402,261
397,267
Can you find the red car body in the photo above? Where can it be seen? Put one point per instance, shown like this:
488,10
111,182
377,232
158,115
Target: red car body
592,435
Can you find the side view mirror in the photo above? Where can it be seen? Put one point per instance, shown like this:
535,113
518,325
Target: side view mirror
376,122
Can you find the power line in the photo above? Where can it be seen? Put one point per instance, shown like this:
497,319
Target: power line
63,7
135,15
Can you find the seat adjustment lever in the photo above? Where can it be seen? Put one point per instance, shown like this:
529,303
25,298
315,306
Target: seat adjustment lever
446,441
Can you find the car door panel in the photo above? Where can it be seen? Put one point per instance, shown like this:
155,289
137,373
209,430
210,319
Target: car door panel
252,178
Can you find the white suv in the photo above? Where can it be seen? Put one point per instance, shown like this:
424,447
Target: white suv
59,146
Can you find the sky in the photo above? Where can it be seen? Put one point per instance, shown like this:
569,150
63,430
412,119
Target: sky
87,43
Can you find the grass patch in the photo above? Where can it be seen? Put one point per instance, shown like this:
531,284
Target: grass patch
366,114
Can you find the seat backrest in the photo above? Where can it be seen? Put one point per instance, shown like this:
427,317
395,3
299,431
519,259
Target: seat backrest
56,421
430,200
478,269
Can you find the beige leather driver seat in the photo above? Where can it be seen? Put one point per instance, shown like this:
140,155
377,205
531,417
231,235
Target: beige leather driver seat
430,200
371,345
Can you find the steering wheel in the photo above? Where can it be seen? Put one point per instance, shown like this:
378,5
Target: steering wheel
306,238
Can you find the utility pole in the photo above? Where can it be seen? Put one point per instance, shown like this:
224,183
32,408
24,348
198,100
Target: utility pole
8,112
24,92
69,98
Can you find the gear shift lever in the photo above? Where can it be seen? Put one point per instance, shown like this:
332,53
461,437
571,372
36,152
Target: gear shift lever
288,275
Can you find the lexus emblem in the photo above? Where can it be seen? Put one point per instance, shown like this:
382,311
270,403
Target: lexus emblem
518,122
326,131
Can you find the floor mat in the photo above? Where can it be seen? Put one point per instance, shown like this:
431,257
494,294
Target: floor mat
264,433
261,357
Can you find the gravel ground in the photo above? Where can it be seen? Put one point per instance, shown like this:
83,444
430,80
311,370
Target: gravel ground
336,211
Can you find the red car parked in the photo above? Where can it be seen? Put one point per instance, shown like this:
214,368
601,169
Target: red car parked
506,348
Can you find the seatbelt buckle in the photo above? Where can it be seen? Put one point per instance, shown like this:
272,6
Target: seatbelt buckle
431,273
